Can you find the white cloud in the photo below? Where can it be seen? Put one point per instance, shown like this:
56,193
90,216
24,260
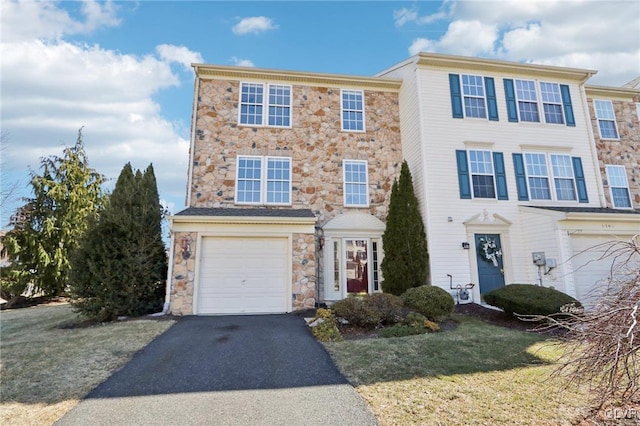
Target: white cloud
242,62
254,24
584,34
179,54
52,88
26,19
404,15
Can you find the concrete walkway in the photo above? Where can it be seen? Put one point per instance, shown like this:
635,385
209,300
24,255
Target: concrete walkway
231,370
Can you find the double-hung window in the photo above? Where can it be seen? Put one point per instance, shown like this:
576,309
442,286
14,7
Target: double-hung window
527,100
474,96
542,183
619,186
606,119
481,166
356,183
352,110
551,102
258,109
263,180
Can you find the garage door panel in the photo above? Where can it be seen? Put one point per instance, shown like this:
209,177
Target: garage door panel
593,266
243,275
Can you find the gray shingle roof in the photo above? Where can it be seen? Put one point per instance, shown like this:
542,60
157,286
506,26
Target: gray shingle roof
598,210
249,212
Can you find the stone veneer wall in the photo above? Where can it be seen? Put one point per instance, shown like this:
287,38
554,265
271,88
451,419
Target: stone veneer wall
624,152
315,143
183,274
317,147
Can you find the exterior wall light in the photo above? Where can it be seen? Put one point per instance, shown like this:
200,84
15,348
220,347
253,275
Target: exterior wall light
465,245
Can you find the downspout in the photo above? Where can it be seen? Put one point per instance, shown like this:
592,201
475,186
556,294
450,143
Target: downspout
167,297
196,91
592,145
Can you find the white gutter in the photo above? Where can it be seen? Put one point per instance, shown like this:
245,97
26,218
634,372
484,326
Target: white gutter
196,90
167,297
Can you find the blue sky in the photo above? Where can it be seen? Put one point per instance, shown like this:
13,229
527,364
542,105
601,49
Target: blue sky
121,69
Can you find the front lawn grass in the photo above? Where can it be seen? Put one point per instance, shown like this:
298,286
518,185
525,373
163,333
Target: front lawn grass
476,374
49,363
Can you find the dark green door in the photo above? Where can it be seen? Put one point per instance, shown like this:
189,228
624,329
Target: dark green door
489,259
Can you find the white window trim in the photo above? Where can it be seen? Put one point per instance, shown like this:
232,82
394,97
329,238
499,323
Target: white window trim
542,102
364,121
615,122
493,174
344,183
611,187
537,102
263,181
551,177
484,98
265,105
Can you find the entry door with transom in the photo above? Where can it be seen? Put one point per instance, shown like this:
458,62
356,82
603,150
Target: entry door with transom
356,265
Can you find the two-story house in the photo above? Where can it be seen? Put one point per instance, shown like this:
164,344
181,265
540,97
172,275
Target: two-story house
288,187
506,171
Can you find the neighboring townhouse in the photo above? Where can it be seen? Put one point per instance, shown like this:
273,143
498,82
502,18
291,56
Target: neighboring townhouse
506,171
289,183
615,118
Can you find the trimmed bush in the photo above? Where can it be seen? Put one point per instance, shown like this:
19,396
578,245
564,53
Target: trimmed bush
389,306
529,299
327,331
358,312
432,302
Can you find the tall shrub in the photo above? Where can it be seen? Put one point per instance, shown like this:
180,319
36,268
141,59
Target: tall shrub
50,225
120,267
406,259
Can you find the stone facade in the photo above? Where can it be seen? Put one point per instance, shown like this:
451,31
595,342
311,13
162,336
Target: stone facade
626,150
317,147
315,142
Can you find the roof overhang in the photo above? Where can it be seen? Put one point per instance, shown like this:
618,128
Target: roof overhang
494,66
219,72
604,221
617,93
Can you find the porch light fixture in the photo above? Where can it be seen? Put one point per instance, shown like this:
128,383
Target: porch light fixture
465,245
186,247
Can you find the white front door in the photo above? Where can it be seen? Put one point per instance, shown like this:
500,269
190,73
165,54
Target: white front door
352,267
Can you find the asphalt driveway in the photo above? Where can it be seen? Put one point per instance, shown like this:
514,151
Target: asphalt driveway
227,370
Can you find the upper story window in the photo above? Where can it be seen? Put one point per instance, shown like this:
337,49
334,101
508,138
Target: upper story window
356,183
352,107
527,100
542,184
523,100
619,186
263,180
606,119
258,110
473,91
473,96
481,174
481,166
551,102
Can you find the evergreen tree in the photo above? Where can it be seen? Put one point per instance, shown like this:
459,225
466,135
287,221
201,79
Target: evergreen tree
49,226
120,267
406,259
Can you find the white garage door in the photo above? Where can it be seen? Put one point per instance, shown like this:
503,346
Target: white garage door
243,275
593,265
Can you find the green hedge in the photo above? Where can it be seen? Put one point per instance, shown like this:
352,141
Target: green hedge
529,299
432,302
